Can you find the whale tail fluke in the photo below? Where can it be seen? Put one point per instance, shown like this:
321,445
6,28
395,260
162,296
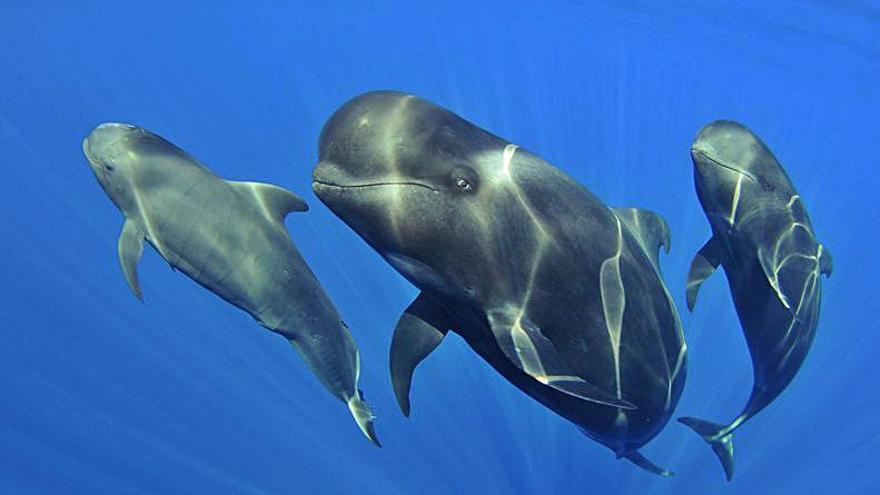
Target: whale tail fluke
641,461
719,437
364,416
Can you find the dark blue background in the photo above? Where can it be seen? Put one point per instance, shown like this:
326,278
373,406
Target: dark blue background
185,394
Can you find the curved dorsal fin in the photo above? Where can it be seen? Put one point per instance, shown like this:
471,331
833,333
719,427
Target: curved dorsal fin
648,228
275,202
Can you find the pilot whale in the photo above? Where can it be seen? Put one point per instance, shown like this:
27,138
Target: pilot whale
560,294
230,238
763,238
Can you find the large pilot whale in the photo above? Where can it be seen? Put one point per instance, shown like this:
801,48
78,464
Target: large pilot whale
763,238
230,238
557,292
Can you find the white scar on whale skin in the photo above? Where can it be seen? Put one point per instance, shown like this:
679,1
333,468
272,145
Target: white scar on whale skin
613,301
779,264
736,197
678,364
808,295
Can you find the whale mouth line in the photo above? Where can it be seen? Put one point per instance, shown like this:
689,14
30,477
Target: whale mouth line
724,165
93,161
368,185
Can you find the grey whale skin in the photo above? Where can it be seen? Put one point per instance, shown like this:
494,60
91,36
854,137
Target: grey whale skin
230,238
557,292
763,238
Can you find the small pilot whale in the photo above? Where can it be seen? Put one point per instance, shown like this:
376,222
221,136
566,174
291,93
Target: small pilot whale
763,238
230,238
557,292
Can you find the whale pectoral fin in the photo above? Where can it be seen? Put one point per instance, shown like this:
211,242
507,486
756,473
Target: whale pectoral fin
419,331
275,202
826,263
704,264
529,350
130,249
649,229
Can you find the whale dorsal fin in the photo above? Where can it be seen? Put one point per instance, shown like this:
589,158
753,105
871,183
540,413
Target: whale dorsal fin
275,202
419,331
704,264
649,229
529,350
130,248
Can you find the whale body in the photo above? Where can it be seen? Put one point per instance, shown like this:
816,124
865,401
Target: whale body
556,291
762,236
230,238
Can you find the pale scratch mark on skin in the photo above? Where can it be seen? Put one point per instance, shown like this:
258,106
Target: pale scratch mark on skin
678,365
613,301
778,264
811,284
736,197
808,294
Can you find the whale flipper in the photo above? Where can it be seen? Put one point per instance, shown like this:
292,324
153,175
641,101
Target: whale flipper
719,437
649,229
130,249
275,202
419,331
704,264
529,350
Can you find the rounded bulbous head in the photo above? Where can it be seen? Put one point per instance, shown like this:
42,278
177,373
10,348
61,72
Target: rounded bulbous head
418,183
121,155
107,150
730,160
113,151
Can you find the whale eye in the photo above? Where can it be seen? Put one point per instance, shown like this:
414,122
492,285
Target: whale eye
464,179
108,167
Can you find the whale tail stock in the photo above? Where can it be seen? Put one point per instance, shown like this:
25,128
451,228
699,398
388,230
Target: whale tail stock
635,457
719,437
362,414
641,461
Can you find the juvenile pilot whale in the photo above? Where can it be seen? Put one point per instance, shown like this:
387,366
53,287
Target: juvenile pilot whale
557,292
230,238
762,236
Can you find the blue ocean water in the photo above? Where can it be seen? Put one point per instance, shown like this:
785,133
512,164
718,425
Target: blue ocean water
100,393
